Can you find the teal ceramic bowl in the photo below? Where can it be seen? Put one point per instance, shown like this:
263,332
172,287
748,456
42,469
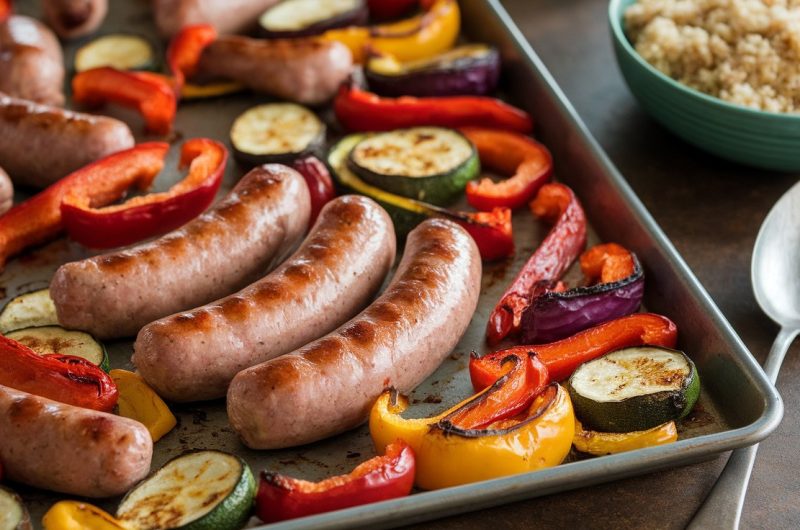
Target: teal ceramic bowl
762,139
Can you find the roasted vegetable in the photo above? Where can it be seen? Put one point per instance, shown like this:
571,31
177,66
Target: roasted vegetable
430,164
555,203
469,70
63,378
151,94
564,356
156,213
491,230
124,52
358,110
13,514
319,182
202,490
424,35
303,18
74,515
381,478
558,314
140,402
102,182
47,340
634,389
449,455
610,443
527,161
276,133
27,310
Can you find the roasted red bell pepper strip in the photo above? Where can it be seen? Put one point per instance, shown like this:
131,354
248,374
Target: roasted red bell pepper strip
508,153
358,110
153,214
554,202
63,378
386,9
185,49
492,231
152,95
5,10
383,477
513,394
607,263
319,182
562,357
102,182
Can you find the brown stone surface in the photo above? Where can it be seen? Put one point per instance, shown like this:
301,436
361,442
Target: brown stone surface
711,209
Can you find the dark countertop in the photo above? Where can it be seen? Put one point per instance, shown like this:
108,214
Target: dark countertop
712,210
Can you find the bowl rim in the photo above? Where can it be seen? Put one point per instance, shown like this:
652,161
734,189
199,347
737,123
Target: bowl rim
615,15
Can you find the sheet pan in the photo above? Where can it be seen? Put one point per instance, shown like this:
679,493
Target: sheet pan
738,406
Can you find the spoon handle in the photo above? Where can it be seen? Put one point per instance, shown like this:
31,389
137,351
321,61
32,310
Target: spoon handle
723,507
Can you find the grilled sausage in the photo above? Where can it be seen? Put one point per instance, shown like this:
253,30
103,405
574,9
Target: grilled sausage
228,16
226,248
335,273
328,386
68,449
31,62
74,18
6,192
41,144
307,71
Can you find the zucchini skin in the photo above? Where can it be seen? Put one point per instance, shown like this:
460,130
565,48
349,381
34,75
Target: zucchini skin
641,412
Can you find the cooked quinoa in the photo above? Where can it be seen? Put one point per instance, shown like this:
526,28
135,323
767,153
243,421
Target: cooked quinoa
743,51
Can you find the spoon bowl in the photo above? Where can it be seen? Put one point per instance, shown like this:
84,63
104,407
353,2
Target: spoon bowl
775,268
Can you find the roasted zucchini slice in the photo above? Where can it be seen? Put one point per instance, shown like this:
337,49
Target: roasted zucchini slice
45,340
203,490
13,514
124,52
276,133
27,310
634,389
430,164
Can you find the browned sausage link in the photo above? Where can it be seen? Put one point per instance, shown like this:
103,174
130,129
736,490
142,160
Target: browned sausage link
335,273
68,449
41,144
307,71
31,62
226,248
74,18
228,16
6,192
329,385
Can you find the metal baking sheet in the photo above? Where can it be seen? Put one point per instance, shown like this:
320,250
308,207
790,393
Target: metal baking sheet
738,406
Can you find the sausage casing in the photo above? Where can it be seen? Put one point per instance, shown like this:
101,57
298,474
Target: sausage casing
55,446
334,274
74,18
260,221
31,61
228,16
307,71
41,144
329,385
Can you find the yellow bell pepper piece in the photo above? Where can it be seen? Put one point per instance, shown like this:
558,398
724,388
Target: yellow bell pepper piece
506,448
139,402
419,37
73,515
609,443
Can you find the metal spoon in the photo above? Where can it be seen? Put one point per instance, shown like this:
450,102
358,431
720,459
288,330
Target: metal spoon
776,283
